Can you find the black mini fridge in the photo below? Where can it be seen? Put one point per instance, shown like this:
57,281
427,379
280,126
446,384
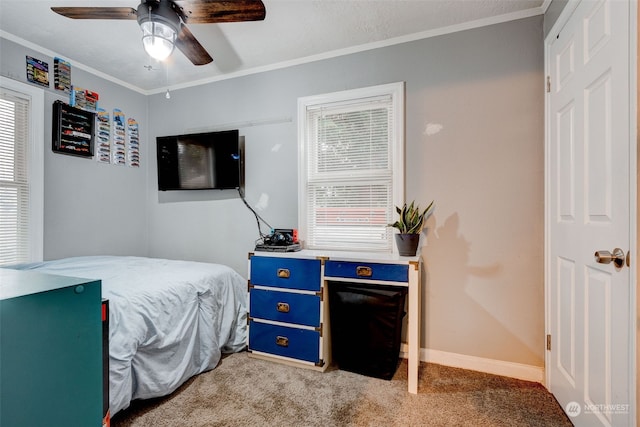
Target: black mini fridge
366,327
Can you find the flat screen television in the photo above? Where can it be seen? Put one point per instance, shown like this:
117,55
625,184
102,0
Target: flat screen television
202,161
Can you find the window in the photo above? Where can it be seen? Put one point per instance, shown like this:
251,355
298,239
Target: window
351,167
21,172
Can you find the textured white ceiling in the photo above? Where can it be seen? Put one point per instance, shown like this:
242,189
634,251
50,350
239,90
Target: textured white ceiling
293,31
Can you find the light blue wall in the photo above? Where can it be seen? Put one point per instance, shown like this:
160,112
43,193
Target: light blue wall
90,208
483,274
483,281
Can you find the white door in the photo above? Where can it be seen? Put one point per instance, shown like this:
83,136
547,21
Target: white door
590,365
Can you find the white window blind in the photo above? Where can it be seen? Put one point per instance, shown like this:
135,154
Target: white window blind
350,184
14,183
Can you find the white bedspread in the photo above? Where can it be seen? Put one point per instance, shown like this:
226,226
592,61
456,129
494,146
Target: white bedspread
169,320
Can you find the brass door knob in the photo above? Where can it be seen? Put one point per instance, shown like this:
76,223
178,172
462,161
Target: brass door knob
605,257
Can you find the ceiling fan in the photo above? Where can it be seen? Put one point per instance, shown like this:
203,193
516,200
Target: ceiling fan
163,22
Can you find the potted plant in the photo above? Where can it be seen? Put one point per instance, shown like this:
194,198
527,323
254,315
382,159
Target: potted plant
410,225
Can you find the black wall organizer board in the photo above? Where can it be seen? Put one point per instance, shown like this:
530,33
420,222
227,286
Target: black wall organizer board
73,131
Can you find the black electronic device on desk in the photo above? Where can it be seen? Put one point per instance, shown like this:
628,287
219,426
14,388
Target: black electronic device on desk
280,240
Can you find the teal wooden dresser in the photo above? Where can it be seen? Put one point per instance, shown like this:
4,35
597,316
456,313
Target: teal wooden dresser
50,350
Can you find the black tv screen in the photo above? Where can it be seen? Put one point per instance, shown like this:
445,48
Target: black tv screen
201,161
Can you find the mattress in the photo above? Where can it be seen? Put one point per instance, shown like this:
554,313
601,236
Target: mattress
169,320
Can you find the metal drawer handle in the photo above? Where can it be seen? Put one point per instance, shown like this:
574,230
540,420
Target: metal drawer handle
284,273
282,341
282,307
363,271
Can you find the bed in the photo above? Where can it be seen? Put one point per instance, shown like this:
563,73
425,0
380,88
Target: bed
169,320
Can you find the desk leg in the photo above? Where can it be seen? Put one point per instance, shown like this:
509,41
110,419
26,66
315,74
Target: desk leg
414,327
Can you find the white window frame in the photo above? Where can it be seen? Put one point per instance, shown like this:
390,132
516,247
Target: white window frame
396,91
35,163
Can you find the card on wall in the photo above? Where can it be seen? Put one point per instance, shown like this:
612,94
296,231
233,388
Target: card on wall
119,138
83,98
62,75
133,151
37,71
103,136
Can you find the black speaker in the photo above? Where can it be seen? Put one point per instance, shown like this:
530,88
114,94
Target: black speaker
278,238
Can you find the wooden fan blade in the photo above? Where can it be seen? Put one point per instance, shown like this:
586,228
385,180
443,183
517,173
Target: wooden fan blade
191,48
96,12
213,11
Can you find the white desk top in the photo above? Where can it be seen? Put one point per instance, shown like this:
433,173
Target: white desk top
380,257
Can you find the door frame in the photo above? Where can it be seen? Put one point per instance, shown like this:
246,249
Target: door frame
634,330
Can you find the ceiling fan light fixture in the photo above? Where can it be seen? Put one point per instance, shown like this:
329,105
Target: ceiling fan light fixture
160,26
158,39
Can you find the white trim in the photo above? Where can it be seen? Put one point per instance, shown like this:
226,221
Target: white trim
560,23
633,193
396,91
563,18
35,164
547,301
76,64
634,329
481,364
545,5
478,23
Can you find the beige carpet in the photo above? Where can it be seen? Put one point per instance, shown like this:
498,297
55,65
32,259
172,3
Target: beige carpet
243,391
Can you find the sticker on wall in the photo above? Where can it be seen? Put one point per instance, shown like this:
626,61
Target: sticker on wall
103,136
62,75
119,137
133,148
37,71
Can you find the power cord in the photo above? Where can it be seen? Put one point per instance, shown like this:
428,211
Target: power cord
258,217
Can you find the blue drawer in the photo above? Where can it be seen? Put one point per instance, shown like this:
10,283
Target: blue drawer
367,270
288,273
301,344
285,307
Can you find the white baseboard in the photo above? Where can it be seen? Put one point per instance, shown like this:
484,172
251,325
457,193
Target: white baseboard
481,364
